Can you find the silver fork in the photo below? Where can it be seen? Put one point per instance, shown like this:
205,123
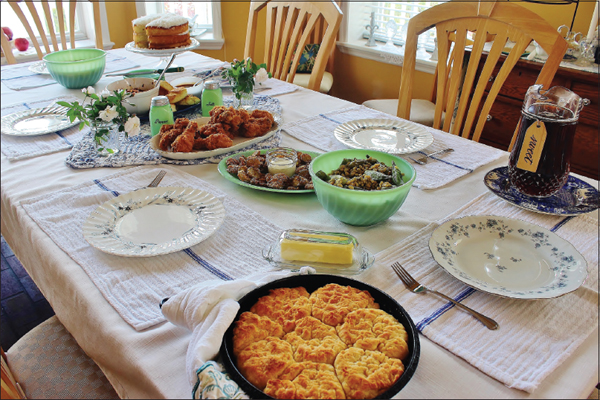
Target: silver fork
156,180
416,287
423,159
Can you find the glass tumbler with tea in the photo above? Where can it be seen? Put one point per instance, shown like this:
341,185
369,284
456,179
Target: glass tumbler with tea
540,160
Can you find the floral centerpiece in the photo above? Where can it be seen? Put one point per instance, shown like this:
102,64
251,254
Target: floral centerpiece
244,75
106,115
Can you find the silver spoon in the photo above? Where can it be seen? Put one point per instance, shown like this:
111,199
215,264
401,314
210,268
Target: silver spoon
165,70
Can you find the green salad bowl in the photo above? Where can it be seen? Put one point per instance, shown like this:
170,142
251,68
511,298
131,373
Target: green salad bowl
360,207
76,68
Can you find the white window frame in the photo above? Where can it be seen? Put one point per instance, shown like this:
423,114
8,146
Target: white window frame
212,39
352,39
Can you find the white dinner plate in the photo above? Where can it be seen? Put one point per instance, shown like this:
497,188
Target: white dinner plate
38,121
161,52
154,221
508,257
387,135
239,143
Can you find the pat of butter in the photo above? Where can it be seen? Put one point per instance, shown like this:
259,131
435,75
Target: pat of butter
329,253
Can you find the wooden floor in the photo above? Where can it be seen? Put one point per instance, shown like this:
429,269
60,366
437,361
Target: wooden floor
23,305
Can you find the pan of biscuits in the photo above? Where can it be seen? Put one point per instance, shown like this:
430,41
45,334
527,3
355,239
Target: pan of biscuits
320,337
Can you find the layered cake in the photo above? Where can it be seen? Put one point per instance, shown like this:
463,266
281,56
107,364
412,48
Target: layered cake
168,32
139,30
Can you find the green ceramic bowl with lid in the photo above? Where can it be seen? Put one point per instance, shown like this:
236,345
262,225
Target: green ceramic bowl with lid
76,68
360,207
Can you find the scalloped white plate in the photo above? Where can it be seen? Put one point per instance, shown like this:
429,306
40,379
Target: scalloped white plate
154,221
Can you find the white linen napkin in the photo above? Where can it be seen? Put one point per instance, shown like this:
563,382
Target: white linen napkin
135,286
208,309
534,337
274,87
466,157
21,147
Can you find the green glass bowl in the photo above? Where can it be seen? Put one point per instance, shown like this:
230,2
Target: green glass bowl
76,68
360,207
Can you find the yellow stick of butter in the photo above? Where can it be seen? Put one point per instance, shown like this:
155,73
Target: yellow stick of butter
322,247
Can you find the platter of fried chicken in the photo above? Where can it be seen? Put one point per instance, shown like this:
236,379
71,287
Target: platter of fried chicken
226,130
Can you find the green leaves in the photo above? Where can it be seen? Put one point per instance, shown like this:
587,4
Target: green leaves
241,75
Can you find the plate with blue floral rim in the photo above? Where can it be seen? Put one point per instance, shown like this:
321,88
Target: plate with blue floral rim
508,257
574,198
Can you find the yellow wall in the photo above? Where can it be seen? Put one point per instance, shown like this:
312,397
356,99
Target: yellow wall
355,79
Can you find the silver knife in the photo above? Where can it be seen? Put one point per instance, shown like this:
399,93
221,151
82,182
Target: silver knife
156,71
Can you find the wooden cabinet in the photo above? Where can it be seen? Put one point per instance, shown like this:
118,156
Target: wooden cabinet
506,111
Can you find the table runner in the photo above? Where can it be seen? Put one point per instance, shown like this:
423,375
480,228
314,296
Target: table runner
466,157
19,77
535,336
136,150
135,286
21,147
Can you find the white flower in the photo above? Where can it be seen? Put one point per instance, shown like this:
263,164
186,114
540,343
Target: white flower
261,76
105,93
109,113
132,126
88,90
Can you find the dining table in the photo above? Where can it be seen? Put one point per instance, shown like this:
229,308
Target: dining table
144,356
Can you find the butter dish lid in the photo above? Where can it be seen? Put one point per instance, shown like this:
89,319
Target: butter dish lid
327,252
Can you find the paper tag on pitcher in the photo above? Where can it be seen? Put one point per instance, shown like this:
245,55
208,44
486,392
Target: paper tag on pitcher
531,149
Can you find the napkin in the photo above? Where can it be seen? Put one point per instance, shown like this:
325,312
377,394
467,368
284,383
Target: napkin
135,286
208,309
466,157
22,147
534,337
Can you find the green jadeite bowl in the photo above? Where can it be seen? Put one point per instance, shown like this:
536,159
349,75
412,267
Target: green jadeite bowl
357,207
76,68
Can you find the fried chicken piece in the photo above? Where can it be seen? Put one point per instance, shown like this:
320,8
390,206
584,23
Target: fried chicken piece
215,141
262,114
168,137
181,123
214,128
256,127
184,143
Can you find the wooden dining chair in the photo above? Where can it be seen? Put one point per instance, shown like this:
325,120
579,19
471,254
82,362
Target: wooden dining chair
290,26
462,92
18,7
47,363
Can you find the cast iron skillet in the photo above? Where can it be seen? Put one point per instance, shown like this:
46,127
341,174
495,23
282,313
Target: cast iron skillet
312,283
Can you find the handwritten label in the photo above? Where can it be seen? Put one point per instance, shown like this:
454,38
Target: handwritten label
531,149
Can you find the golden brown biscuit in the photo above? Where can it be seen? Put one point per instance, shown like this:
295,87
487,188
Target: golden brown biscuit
331,303
285,306
307,380
373,329
365,374
251,328
315,341
264,360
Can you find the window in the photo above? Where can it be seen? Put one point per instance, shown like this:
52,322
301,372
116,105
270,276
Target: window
204,16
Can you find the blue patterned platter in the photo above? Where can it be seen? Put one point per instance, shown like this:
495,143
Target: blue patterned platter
508,257
576,197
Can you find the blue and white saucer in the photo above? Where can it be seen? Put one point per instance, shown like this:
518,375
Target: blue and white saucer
574,198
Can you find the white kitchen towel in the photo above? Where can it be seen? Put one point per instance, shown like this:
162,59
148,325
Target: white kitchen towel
135,286
466,157
534,337
21,147
208,309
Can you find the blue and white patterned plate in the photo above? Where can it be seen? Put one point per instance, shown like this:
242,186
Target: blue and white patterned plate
508,257
576,197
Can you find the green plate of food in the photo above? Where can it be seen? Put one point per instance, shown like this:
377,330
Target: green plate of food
249,169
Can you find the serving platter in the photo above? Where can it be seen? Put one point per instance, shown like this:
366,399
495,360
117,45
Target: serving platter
38,121
154,221
238,143
387,135
508,257
574,198
223,171
311,283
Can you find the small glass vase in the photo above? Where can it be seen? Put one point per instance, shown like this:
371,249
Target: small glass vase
107,138
246,102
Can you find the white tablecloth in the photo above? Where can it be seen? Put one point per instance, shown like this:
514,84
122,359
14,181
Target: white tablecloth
151,363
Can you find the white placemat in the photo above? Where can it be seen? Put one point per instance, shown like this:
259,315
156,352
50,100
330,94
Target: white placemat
534,337
18,148
466,157
135,286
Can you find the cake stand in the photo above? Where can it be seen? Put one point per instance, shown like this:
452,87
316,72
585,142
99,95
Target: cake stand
164,54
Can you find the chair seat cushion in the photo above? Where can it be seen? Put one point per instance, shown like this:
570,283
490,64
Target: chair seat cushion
302,79
421,111
48,363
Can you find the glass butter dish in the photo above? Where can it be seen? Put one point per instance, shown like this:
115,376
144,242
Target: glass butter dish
326,252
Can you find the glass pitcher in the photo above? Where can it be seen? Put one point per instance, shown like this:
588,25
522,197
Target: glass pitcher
540,160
